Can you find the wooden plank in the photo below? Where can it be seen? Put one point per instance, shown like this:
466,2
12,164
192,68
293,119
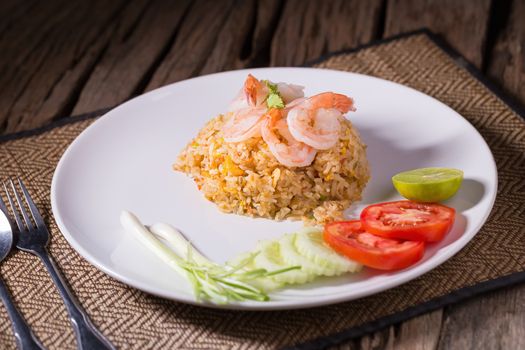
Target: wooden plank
507,60
378,340
46,54
420,333
227,42
231,39
144,30
267,18
237,35
308,29
461,22
194,43
14,70
246,36
12,10
494,321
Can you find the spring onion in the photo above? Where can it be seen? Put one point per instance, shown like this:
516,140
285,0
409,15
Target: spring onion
210,281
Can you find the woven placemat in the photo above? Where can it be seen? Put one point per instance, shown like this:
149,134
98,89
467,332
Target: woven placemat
135,320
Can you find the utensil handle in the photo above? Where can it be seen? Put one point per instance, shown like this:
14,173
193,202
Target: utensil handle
88,336
25,339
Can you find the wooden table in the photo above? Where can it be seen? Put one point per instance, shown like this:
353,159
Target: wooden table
60,58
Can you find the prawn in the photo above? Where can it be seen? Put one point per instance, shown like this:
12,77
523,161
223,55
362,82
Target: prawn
290,92
248,108
253,94
243,124
315,120
286,149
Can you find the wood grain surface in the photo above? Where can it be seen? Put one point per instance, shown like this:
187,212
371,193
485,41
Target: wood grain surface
309,29
463,23
138,40
64,57
47,54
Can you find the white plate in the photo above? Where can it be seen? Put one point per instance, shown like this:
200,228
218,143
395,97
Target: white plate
123,161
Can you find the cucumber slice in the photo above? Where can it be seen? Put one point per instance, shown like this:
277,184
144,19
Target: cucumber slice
309,243
265,284
238,259
292,257
305,248
270,258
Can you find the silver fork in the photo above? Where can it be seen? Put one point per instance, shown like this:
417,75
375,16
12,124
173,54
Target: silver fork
33,238
25,339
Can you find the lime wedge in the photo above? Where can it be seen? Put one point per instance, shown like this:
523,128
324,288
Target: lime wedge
428,184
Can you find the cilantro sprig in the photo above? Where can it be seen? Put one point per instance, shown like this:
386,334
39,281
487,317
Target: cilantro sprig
274,99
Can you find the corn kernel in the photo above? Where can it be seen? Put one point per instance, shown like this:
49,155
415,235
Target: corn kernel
230,168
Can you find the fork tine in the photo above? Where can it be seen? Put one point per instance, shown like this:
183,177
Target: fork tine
22,207
32,207
13,208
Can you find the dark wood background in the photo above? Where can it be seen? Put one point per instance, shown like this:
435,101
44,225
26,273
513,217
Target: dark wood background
62,57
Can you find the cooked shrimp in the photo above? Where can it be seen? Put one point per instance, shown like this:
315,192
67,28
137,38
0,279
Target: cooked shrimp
238,103
315,120
253,94
291,105
290,92
318,129
256,92
282,144
243,124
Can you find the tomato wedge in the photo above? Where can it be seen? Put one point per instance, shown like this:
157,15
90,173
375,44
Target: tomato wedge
350,239
428,222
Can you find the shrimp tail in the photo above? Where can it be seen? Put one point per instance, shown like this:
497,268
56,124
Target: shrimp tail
251,88
340,102
343,103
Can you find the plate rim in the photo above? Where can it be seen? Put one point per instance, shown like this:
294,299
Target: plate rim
333,298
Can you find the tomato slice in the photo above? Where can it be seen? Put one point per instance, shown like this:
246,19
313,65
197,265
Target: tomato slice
428,222
350,239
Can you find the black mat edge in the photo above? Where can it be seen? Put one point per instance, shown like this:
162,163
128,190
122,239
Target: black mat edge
453,297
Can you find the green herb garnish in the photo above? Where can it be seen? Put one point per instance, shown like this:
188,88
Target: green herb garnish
210,281
274,99
222,284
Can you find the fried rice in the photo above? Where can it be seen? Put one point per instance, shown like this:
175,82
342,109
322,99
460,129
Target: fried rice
245,178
